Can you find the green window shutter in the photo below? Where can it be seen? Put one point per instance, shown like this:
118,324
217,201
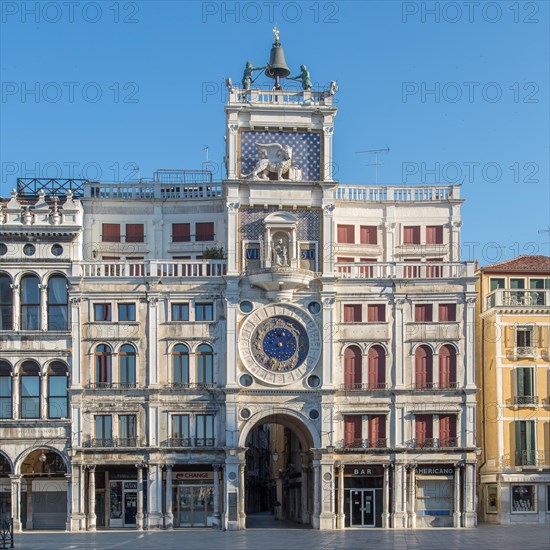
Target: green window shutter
518,424
520,387
530,435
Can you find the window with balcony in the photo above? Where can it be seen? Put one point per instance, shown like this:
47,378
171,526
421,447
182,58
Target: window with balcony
376,368
352,313
126,312
423,368
423,430
180,312
103,430
525,386
135,233
368,234
180,430
517,297
103,360
376,425
376,313
181,232
346,234
411,234
58,385
6,390
6,303
180,365
496,282
58,303
102,312
447,313
539,284
434,234
447,367
204,231
352,368
205,365
204,312
353,431
30,303
205,430
127,430
110,232
344,260
447,430
30,390
526,446
127,366
423,313
525,341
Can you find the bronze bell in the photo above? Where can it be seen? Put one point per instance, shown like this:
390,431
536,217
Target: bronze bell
277,67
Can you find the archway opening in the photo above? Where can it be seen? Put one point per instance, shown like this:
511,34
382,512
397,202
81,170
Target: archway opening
5,488
278,474
43,490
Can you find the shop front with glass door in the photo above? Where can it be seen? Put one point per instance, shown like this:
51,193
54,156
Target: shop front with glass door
361,507
363,496
123,503
193,505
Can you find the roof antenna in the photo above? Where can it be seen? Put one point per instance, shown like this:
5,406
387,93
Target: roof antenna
376,164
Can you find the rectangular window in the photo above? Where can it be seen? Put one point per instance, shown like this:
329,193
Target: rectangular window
411,234
5,396
447,313
180,430
57,397
181,232
180,312
447,430
433,497
346,234
353,431
135,233
103,430
525,337
377,430
204,312
204,231
525,386
376,313
368,234
491,499
111,232
102,312
523,499
539,284
126,312
352,313
127,430
526,447
205,430
434,234
496,283
423,313
423,430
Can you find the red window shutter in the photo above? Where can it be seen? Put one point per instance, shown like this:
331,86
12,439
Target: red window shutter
181,232
423,313
376,367
368,234
377,428
204,231
342,260
423,427
447,429
447,312
135,233
353,429
447,367
346,234
352,313
434,234
352,367
376,313
111,232
411,234
423,367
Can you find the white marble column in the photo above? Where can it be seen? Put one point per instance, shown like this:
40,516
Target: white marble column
16,306
305,489
242,512
28,524
169,517
43,306
69,478
456,497
139,515
399,495
43,395
91,499
76,332
316,494
152,338
470,517
216,495
340,517
386,497
412,497
77,512
16,501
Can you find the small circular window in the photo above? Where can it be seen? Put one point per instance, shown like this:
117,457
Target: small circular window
246,380
3,249
314,307
245,414
314,381
57,250
314,414
246,307
29,249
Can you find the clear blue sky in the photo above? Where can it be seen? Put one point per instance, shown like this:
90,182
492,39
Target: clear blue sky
159,68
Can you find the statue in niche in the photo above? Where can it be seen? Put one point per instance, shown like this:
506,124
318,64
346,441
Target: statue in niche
280,253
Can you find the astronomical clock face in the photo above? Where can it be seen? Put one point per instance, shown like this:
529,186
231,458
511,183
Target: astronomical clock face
279,344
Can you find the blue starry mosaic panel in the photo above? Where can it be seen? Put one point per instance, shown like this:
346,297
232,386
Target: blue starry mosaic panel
306,150
308,227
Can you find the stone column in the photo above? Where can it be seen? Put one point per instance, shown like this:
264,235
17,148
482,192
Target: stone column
76,515
233,240
316,494
456,496
341,516
139,515
69,478
43,403
16,306
43,306
169,517
328,130
16,396
28,525
232,302
76,334
216,495
399,496
242,512
470,518
152,335
305,488
15,501
386,497
412,497
91,499
329,303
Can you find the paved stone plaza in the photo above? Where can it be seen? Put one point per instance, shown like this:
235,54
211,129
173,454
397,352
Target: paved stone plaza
482,538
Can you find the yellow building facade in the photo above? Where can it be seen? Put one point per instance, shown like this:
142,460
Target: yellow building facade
513,374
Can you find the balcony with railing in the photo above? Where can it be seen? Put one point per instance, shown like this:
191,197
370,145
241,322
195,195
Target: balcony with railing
190,442
361,444
536,459
121,386
434,443
421,193
523,401
197,386
435,386
112,443
517,299
366,386
403,270
282,98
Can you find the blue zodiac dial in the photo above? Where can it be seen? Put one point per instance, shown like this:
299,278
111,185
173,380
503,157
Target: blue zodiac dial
280,344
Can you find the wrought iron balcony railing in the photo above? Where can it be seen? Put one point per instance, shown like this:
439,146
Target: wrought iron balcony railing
364,386
523,400
428,386
190,386
526,458
111,386
113,442
190,442
434,443
359,444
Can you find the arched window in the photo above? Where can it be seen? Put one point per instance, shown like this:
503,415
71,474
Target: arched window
127,366
103,357
5,390
205,365
447,367
58,383
352,368
377,368
180,365
58,302
6,303
423,368
30,390
30,303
